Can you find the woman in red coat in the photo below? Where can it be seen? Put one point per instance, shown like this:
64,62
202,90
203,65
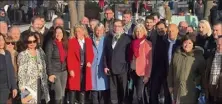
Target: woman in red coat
80,57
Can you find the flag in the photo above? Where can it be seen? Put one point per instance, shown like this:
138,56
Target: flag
101,3
136,3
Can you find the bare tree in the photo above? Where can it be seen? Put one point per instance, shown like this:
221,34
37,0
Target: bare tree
73,15
208,4
81,9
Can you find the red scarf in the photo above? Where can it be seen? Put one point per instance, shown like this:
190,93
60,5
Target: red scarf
62,52
136,45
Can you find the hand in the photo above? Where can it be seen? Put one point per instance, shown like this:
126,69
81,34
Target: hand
22,89
145,80
106,70
14,93
71,73
171,89
88,64
52,78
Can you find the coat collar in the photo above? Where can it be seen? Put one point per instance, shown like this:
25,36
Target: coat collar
180,50
77,50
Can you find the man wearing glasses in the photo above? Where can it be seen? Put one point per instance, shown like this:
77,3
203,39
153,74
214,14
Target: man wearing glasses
109,19
116,63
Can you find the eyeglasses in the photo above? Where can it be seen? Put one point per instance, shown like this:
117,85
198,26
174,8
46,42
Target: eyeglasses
117,26
33,41
12,43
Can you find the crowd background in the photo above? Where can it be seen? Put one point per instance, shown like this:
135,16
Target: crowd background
144,61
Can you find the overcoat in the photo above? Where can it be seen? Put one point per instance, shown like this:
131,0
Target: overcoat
99,78
74,63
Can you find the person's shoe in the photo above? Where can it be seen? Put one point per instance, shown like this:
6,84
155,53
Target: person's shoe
58,101
82,98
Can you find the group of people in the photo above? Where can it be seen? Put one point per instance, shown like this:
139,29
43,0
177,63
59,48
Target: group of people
117,61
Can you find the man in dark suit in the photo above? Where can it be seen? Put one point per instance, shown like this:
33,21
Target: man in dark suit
128,25
150,27
109,19
37,25
165,48
116,47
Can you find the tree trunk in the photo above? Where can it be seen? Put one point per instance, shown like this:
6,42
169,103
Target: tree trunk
73,15
81,9
208,4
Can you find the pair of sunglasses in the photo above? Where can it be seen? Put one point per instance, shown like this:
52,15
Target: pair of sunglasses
12,43
30,42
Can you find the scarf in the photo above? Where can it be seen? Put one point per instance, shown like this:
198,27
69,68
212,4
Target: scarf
215,69
127,27
62,52
136,45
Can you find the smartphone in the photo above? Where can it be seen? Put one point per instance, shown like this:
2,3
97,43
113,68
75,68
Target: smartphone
25,93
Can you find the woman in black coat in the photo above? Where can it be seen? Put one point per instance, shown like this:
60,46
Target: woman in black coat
7,76
56,55
205,38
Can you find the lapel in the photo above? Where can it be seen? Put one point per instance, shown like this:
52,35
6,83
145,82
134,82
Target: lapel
109,39
87,48
118,42
100,47
77,50
7,59
130,31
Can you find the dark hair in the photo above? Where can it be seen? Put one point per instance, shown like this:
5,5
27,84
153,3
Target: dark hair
42,16
218,22
35,18
118,20
161,22
64,39
149,17
155,14
189,36
26,38
109,8
127,12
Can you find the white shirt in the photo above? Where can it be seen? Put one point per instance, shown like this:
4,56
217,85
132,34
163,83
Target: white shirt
114,43
81,43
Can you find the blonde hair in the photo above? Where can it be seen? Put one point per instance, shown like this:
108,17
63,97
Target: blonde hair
99,25
139,26
83,27
207,29
9,39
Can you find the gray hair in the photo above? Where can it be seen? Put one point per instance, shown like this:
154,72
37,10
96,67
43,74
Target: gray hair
14,27
99,25
56,20
94,20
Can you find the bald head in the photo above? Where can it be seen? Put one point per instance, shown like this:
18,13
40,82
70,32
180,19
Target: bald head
14,32
85,21
58,22
173,31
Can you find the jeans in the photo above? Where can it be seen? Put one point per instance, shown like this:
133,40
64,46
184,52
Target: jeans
60,84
